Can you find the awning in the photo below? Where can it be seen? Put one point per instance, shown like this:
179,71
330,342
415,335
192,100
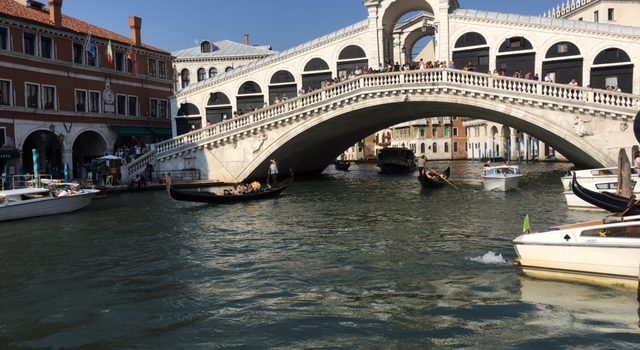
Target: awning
164,132
9,153
131,130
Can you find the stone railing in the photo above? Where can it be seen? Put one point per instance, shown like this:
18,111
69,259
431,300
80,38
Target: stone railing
560,95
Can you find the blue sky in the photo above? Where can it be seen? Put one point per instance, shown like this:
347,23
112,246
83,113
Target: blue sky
174,25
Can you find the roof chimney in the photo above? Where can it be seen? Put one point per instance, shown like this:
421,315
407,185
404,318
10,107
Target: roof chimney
135,23
246,39
55,12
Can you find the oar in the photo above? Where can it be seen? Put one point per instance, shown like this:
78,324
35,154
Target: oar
440,176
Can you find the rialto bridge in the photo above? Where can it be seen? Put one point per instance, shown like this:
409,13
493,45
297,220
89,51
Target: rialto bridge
586,123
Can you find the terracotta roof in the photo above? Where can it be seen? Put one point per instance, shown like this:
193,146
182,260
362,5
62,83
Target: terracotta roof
10,8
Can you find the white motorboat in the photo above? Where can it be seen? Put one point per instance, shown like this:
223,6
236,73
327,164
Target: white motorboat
604,251
501,178
39,201
600,180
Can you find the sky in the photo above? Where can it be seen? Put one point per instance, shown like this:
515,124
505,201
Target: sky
175,25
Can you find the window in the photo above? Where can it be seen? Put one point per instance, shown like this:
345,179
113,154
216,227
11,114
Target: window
455,131
48,97
152,67
446,147
119,55
5,92
94,101
164,109
434,147
46,47
563,48
596,17
121,104
610,15
185,78
81,100
455,147
33,95
3,136
611,81
4,38
447,132
29,40
162,70
133,105
78,50
92,55
153,108
201,74
212,72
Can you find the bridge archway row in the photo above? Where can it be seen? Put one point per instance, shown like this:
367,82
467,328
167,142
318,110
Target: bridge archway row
563,59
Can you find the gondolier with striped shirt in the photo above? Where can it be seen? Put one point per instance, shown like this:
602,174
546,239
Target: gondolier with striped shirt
273,173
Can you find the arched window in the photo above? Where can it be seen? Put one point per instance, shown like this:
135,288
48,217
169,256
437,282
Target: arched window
516,43
187,109
205,46
228,69
470,39
612,55
281,77
218,98
446,147
352,52
561,49
434,147
212,72
202,74
423,148
249,87
316,64
184,74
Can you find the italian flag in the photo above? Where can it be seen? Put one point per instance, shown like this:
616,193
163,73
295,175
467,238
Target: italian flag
109,52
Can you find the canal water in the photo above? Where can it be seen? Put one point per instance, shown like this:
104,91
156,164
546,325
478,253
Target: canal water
352,260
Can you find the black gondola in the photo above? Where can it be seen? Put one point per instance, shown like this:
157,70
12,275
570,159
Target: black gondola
213,198
342,165
608,201
396,160
435,180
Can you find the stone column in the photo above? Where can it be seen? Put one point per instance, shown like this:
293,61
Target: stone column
527,147
514,144
542,150
67,157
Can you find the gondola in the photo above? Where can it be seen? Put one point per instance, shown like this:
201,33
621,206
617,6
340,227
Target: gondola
433,180
213,198
608,201
342,165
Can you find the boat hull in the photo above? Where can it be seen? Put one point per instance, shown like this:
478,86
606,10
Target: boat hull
581,253
46,206
501,183
600,180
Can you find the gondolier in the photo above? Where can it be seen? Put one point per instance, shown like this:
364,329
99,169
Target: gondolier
421,163
272,177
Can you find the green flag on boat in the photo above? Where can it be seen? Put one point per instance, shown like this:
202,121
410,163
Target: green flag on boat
526,225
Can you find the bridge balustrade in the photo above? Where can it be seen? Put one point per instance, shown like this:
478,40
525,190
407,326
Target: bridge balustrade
459,78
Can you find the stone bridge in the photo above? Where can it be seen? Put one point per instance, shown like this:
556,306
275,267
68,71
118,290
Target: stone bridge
586,124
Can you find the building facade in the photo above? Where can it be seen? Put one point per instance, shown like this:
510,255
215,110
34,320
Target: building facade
209,59
73,91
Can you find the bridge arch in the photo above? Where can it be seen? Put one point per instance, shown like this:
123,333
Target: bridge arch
563,62
188,118
249,97
349,58
471,47
218,107
516,53
613,67
315,72
282,85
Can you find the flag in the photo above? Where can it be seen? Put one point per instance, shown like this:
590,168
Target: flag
109,52
526,225
91,48
131,55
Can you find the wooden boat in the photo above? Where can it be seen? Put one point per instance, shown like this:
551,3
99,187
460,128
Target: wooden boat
214,198
608,201
501,178
435,180
342,165
603,251
597,180
396,160
40,201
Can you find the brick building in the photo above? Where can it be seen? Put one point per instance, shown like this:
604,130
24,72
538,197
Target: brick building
64,95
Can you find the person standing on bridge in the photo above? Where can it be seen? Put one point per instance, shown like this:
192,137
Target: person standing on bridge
272,175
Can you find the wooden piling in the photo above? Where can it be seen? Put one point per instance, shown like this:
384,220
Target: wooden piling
625,187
